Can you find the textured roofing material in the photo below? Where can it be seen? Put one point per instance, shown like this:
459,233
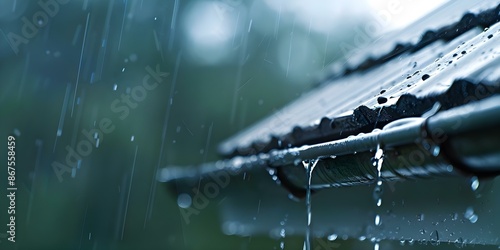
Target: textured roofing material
401,83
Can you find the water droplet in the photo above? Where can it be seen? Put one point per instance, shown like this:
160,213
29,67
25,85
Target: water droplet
115,86
73,172
132,138
332,237
59,132
271,171
434,238
470,215
133,57
377,220
459,242
17,132
184,200
420,217
468,212
377,194
379,202
123,69
376,246
473,218
436,150
474,183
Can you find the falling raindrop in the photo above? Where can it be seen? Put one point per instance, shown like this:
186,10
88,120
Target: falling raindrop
132,138
377,220
115,86
184,200
377,162
474,183
17,132
470,215
73,172
282,236
435,150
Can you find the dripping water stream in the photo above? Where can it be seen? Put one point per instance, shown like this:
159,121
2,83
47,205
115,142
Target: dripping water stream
377,162
309,165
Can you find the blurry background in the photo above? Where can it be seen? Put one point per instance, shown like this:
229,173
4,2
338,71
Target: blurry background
227,64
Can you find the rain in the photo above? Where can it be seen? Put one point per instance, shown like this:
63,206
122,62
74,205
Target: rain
139,125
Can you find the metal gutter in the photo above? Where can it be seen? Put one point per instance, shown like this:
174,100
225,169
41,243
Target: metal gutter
434,131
